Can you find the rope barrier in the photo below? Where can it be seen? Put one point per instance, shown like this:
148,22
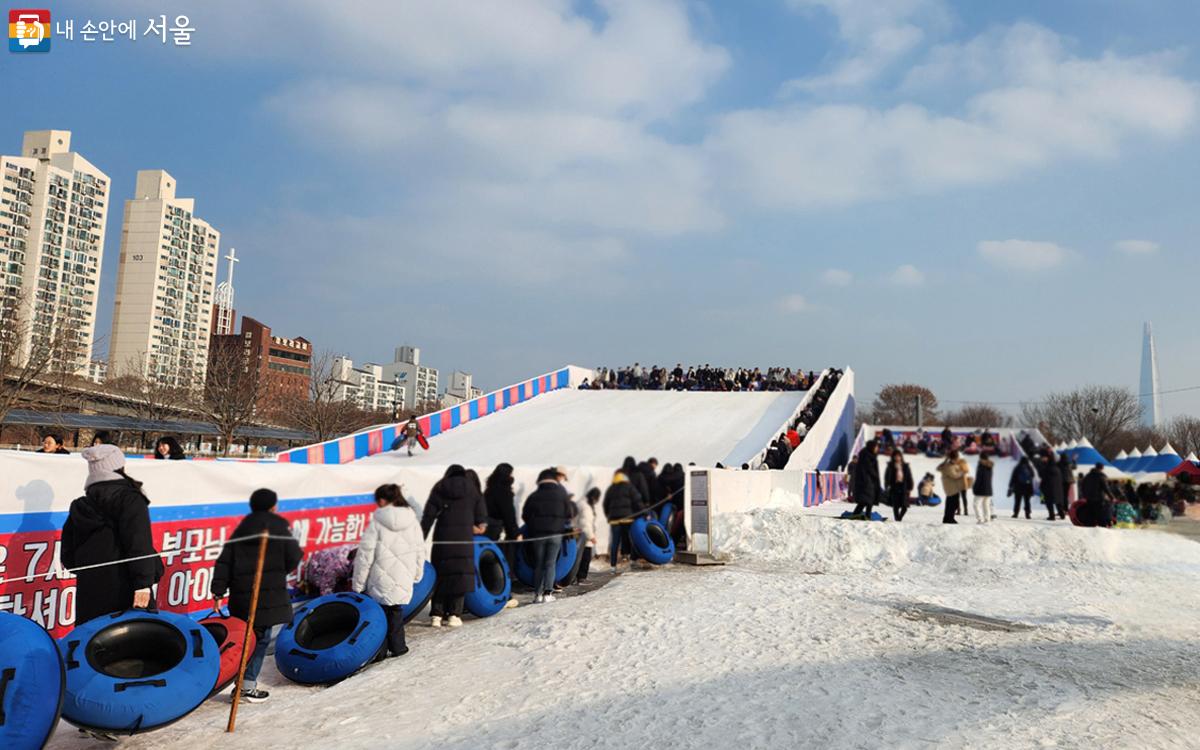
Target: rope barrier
255,537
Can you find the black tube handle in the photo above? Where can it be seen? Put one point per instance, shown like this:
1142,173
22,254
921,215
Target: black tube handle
197,644
305,654
121,687
71,647
361,627
226,646
7,676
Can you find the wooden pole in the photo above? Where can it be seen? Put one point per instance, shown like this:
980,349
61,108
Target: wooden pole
258,571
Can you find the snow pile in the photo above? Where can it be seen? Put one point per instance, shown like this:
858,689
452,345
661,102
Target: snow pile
827,545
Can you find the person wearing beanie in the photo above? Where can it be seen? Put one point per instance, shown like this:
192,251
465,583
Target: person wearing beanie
234,573
110,522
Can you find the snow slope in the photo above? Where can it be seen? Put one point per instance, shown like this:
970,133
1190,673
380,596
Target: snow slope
601,428
805,640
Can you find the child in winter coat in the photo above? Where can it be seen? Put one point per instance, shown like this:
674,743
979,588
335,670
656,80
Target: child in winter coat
586,519
390,559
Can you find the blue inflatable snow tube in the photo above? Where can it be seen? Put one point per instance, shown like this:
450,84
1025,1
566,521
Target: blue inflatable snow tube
564,567
137,670
422,593
664,515
652,542
32,681
493,587
331,638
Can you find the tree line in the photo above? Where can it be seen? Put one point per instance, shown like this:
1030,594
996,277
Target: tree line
1108,416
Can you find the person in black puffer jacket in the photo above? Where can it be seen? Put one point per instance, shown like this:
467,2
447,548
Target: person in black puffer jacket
637,478
983,489
502,510
622,503
234,573
457,508
111,522
547,512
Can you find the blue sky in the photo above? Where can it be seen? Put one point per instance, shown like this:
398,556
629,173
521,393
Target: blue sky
987,198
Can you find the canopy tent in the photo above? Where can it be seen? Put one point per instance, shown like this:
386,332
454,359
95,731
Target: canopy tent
1140,465
1134,456
1085,455
1165,461
1191,458
1122,456
1188,469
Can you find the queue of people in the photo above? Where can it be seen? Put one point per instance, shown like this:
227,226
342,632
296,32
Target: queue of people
701,378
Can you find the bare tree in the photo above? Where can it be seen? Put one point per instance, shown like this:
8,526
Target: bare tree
231,391
324,412
897,404
20,371
978,415
1099,413
1184,434
150,395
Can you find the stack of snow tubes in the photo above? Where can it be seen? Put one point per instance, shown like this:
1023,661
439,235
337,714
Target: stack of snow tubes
137,670
331,638
32,683
493,586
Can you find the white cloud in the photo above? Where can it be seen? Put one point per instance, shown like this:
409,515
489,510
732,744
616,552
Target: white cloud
836,277
1040,105
908,275
1023,255
876,35
793,303
1137,247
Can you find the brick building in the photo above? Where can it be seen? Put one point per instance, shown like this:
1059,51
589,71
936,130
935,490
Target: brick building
284,365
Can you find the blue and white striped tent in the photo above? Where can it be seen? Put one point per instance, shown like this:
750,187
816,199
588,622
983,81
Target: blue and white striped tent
1124,464
1140,465
1164,461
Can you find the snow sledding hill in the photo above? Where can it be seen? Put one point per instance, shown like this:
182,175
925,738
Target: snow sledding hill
601,428
807,639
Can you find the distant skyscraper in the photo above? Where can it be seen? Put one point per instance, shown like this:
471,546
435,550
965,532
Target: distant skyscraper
1149,396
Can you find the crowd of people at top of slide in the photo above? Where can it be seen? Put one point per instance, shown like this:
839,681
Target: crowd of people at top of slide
109,527
1104,502
702,378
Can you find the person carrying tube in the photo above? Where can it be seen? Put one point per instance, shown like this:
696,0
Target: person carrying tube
110,522
390,559
412,433
622,503
234,573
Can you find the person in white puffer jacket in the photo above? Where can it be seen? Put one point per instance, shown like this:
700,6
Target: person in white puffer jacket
390,559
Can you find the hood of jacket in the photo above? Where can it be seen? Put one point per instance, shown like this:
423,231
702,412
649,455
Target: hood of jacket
395,518
93,510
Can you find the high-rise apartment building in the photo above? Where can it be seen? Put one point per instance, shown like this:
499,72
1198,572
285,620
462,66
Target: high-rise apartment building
53,208
420,383
165,285
366,387
459,389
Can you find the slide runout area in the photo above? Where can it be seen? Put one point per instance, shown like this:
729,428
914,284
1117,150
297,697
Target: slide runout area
601,428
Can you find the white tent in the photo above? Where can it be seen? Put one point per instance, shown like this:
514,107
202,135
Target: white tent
1138,467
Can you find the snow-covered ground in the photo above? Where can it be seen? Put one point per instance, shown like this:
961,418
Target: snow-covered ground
805,639
601,428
